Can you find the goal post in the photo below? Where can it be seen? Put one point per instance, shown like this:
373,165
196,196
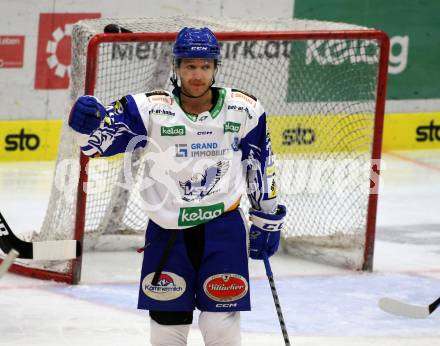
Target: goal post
323,87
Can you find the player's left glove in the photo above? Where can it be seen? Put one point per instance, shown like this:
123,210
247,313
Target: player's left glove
264,235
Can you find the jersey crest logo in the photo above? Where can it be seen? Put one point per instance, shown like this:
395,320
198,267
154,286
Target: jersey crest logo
104,136
203,184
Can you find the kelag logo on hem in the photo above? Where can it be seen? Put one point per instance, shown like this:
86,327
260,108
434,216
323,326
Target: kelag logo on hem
54,48
192,216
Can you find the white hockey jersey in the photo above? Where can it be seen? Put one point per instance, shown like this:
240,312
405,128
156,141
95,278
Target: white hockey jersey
197,166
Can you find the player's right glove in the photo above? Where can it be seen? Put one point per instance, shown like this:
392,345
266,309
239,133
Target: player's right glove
264,235
86,114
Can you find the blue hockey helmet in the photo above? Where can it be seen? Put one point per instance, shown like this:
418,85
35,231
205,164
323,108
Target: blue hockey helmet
194,43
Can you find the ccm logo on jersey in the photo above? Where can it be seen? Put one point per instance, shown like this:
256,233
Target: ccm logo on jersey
225,287
201,133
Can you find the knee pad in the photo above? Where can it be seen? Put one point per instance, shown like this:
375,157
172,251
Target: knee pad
220,328
169,318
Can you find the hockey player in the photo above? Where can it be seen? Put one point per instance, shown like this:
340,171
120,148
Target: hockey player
207,145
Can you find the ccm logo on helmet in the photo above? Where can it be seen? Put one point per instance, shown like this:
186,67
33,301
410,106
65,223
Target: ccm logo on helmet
199,48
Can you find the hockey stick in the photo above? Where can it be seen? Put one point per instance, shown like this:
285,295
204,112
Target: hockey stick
164,258
396,307
43,250
276,300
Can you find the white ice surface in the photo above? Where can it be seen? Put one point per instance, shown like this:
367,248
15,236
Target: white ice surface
322,305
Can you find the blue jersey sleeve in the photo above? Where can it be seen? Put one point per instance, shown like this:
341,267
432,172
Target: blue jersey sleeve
122,129
260,169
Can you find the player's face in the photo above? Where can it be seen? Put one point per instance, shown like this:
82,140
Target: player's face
196,75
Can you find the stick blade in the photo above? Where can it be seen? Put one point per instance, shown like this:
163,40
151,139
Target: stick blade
7,261
398,308
56,250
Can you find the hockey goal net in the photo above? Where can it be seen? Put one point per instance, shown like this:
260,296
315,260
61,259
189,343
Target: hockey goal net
323,87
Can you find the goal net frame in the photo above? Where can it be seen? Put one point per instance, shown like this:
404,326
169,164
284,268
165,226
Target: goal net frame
74,273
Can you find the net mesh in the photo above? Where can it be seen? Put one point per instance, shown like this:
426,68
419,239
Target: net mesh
320,96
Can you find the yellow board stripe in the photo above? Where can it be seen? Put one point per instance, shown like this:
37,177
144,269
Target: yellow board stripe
411,131
313,134
316,134
38,140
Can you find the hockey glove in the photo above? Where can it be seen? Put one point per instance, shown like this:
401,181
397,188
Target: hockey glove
86,114
264,235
